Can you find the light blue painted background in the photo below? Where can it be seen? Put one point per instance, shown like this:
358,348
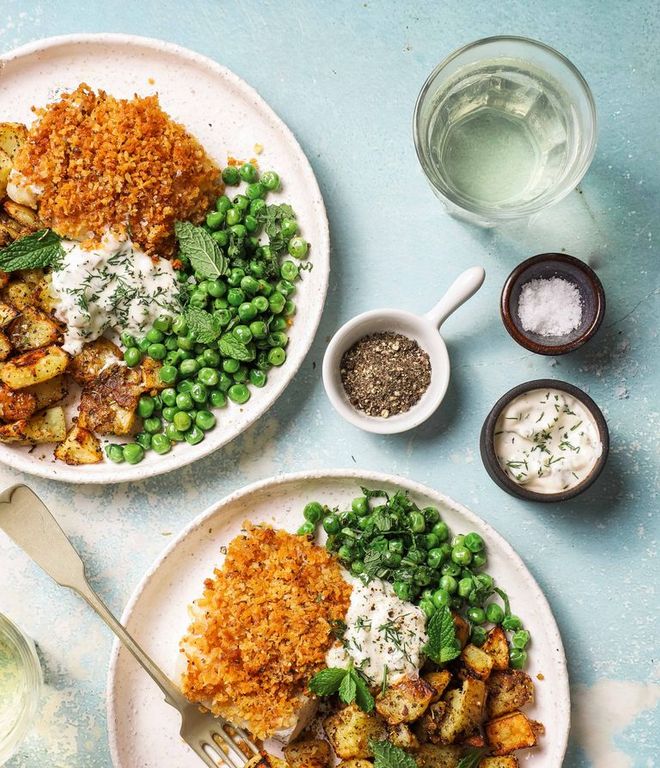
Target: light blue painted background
344,76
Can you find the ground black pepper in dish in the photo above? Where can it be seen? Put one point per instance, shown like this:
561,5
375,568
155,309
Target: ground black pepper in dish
385,373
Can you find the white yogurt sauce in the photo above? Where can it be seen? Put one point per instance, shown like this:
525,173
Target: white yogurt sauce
382,631
547,441
116,286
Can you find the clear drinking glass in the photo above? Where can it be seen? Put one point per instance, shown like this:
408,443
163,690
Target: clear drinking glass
503,128
20,687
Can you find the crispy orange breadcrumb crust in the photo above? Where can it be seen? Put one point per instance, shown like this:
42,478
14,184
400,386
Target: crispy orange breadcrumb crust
125,164
262,628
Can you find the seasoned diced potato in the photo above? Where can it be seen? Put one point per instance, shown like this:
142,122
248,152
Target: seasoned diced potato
93,358
49,392
7,312
266,761
508,691
465,707
476,740
46,427
350,730
150,370
478,662
80,447
5,169
462,629
438,681
499,762
405,701
32,329
107,404
436,756
20,295
34,366
401,736
510,732
429,724
12,138
25,216
310,753
5,346
15,406
497,647
356,764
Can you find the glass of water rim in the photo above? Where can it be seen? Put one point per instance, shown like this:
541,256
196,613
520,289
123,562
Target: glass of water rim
20,687
503,128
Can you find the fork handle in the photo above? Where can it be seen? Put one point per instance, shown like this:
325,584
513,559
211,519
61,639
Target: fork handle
27,520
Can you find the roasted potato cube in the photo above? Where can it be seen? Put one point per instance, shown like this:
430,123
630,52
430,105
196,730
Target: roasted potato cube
150,375
266,761
350,730
46,427
497,647
401,736
49,392
510,732
405,701
7,312
5,346
19,295
34,366
12,138
476,740
80,447
25,216
107,404
499,762
310,753
478,662
465,708
15,406
95,356
356,764
5,169
508,691
438,681
462,629
32,329
429,725
436,756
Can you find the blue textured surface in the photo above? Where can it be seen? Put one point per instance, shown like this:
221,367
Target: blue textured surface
344,76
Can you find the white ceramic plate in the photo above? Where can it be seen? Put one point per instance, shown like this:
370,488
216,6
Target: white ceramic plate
143,729
229,118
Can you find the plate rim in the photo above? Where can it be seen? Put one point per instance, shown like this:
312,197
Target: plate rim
128,473
375,476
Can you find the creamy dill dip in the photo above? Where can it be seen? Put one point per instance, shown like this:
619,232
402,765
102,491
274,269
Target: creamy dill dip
115,286
384,635
547,441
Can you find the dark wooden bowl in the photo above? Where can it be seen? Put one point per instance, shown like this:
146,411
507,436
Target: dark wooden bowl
543,266
492,465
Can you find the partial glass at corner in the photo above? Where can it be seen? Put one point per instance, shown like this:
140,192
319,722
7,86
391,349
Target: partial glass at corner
503,128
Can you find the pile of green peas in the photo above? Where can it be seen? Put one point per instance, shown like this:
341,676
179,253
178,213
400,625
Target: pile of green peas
252,302
393,539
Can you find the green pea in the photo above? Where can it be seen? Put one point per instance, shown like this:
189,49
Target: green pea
465,586
161,443
248,173
286,288
313,512
257,207
168,413
474,542
235,297
168,396
461,555
231,176
417,522
217,398
208,376
182,421
249,285
265,288
391,559
494,613
184,386
247,311
441,530
289,308
230,365
233,217
478,636
396,545
345,553
173,434
435,558
180,326
485,581
258,329
458,540
360,505
258,378
451,569
517,658
423,576
155,336
270,180
520,639
127,340
276,302
221,237
157,351
479,559
306,529
143,439
331,524
476,615
239,393
289,271
199,393
205,420
255,191
133,453
511,623
184,401
289,228
431,541
239,230
143,344
171,344
298,247
185,343
242,333
152,425
194,435
132,356
146,406
440,598
214,219
115,453
276,356
428,606
449,584
403,590
222,204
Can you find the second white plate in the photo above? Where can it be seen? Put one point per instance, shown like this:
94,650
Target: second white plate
144,730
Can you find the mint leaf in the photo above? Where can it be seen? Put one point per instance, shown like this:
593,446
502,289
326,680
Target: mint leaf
35,251
472,758
363,697
203,325
327,681
231,347
201,250
443,645
386,755
348,688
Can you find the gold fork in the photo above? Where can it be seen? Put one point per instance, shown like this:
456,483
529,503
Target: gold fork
26,520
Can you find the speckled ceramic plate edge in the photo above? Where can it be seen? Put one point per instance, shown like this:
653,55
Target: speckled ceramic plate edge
19,458
353,478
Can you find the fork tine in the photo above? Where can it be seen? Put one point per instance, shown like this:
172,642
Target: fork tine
244,736
231,745
201,752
